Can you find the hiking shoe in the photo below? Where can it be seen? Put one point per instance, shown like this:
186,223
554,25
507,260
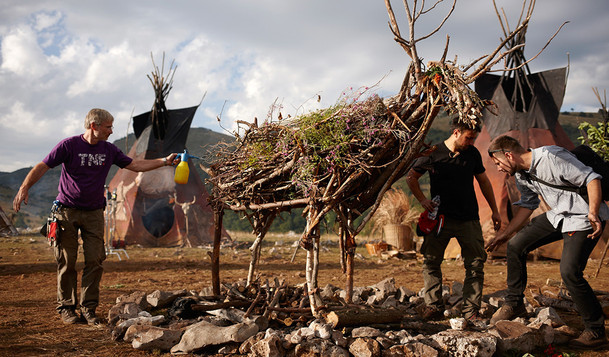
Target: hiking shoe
431,313
89,316
68,316
590,339
508,312
476,322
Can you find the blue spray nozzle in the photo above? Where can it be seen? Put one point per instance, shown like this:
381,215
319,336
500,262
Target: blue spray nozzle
185,156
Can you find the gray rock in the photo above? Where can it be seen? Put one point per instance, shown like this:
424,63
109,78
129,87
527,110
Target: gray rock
123,311
372,299
466,343
414,349
516,336
205,334
137,297
385,342
339,339
327,293
404,294
390,301
267,347
386,287
119,331
316,348
229,349
366,331
158,298
365,347
547,316
246,346
156,338
321,329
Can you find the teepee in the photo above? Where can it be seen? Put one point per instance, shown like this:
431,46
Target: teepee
149,208
6,226
526,107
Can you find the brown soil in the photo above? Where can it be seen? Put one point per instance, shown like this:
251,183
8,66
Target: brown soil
30,326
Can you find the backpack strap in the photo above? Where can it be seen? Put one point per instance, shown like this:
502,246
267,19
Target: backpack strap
583,191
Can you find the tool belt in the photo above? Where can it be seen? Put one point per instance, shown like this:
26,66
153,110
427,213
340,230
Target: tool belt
52,227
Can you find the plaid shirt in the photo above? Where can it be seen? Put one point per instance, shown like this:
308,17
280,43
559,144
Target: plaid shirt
558,166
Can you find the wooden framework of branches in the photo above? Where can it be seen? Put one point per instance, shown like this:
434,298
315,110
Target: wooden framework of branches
344,158
162,86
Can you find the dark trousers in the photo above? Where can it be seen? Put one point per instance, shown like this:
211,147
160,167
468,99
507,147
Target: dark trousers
469,236
575,253
91,227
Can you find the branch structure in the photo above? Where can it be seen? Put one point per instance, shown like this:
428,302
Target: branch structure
345,157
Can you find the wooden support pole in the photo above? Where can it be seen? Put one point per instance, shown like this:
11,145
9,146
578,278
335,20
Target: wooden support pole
312,265
350,261
350,246
600,261
215,256
255,248
262,223
341,244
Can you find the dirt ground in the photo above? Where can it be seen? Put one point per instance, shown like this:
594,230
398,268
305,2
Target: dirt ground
30,326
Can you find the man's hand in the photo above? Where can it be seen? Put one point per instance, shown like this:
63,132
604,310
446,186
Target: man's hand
496,217
596,224
32,177
496,242
428,204
172,159
22,196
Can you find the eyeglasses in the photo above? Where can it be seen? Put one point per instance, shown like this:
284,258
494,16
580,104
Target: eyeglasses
491,152
105,126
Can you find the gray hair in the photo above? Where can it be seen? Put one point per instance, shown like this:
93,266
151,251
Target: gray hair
97,116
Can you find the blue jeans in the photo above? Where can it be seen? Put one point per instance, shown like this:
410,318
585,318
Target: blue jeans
575,253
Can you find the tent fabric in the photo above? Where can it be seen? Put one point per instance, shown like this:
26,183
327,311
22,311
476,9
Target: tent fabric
6,226
149,208
176,133
543,105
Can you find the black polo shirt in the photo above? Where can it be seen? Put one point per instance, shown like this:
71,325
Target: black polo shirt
452,177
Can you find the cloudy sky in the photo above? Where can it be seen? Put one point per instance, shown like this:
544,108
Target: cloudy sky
58,59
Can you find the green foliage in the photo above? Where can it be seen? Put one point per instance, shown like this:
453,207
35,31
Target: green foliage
285,222
260,151
595,137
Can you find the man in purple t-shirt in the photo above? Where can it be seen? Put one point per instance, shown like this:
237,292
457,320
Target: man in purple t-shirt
86,161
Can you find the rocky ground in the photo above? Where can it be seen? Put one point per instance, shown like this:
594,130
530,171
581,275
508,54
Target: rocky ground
29,325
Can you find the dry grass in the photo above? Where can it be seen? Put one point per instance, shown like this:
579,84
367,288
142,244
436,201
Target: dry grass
395,208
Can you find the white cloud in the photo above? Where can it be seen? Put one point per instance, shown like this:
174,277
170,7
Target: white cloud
107,69
22,55
45,20
59,59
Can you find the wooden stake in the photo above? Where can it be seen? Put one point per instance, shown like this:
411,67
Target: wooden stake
215,256
600,262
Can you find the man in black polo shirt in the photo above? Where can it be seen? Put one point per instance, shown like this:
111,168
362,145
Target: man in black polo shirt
452,168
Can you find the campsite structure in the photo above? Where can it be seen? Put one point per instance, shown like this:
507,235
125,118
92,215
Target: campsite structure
148,208
525,106
345,158
6,225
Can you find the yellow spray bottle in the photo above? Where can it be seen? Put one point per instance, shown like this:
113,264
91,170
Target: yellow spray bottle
182,171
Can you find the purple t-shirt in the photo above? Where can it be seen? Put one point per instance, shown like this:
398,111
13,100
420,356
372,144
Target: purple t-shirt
84,171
